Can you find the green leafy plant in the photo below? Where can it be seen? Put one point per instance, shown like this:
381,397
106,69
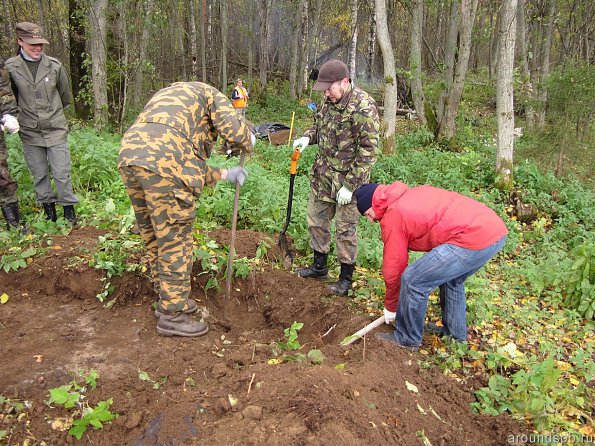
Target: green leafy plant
73,395
580,283
291,336
144,376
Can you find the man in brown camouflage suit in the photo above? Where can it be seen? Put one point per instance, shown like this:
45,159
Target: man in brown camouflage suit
162,163
8,122
346,129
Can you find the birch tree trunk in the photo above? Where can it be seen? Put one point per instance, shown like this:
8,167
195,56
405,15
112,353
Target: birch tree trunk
98,43
390,84
459,50
417,90
312,34
504,94
353,42
544,70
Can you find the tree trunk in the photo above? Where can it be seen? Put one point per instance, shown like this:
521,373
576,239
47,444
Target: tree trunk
545,63
504,94
78,69
193,39
353,42
223,12
138,75
98,44
523,60
459,54
203,41
295,50
417,90
302,54
264,13
390,82
371,53
308,58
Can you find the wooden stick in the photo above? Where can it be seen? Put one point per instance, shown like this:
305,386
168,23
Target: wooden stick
250,385
232,242
361,333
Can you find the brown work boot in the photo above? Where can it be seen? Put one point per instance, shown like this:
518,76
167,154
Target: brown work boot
191,307
180,324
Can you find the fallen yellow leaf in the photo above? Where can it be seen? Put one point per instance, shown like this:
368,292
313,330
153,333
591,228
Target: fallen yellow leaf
4,298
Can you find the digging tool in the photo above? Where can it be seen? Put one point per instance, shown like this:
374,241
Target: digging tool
283,245
232,242
361,333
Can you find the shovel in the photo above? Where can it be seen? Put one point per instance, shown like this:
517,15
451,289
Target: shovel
283,245
361,333
232,242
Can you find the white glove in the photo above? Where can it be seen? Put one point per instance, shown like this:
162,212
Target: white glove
236,175
389,317
10,124
253,139
344,196
302,143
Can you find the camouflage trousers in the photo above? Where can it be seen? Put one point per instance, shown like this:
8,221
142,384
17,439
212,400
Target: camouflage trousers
319,216
8,187
165,214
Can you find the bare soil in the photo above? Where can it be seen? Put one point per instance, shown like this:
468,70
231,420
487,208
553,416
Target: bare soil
53,325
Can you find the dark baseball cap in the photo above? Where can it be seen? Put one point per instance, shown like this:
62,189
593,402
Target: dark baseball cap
30,33
330,72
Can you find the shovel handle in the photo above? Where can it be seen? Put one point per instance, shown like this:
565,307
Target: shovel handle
361,333
232,242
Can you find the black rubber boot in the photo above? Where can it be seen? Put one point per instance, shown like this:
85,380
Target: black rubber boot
12,217
318,268
180,324
69,214
50,211
343,285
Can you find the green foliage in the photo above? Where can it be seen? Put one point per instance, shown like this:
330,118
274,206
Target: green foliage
580,281
291,334
73,396
144,376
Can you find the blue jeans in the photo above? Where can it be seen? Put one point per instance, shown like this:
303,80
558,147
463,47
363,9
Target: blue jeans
446,267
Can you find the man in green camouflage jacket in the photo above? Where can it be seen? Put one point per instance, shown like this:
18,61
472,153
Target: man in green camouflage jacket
8,122
162,163
346,129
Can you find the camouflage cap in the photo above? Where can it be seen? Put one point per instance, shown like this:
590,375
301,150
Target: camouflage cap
30,33
330,72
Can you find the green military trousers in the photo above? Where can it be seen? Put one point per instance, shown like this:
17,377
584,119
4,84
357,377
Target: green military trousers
165,214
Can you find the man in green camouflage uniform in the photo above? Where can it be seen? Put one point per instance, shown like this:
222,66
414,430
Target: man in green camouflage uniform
162,163
8,122
346,129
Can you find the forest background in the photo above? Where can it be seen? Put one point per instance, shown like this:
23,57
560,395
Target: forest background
475,85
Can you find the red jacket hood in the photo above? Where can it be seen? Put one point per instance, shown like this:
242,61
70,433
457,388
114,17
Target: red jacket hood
385,195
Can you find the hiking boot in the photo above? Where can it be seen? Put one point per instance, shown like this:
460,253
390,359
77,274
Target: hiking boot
343,285
318,269
50,211
435,329
390,338
191,307
69,214
13,219
180,324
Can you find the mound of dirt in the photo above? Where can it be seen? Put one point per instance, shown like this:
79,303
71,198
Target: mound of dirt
227,387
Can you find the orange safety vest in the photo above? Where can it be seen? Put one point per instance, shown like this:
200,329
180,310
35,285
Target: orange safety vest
242,102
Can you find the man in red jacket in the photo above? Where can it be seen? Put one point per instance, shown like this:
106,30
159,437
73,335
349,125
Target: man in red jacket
459,234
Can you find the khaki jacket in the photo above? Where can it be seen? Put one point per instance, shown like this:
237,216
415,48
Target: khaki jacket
42,100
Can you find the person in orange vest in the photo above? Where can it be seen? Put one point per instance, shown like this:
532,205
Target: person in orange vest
240,96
